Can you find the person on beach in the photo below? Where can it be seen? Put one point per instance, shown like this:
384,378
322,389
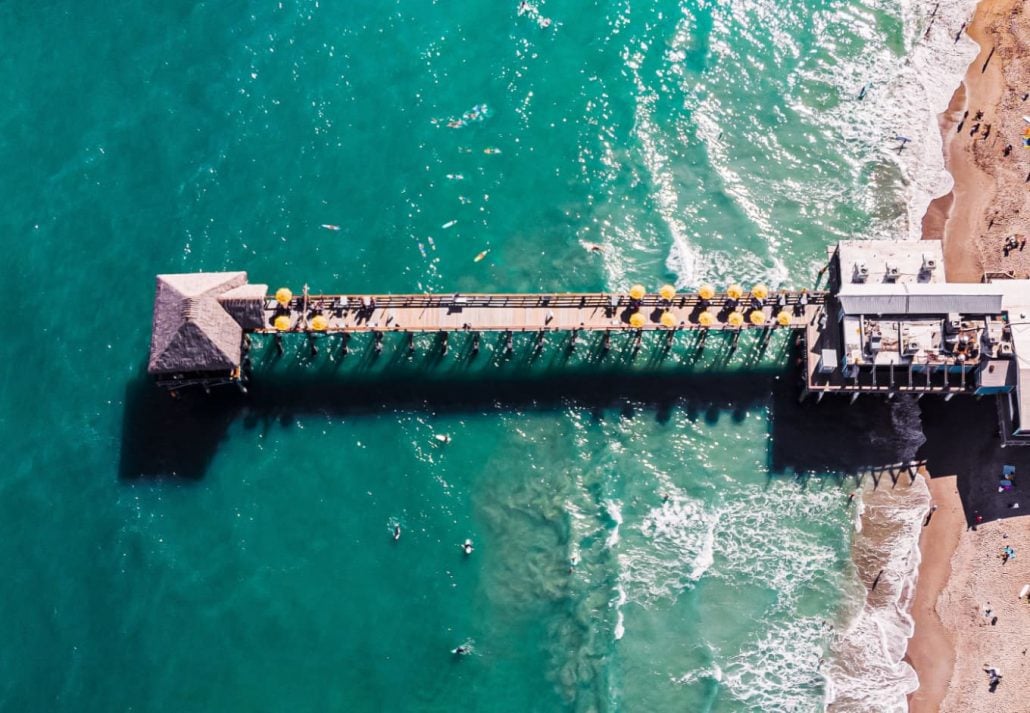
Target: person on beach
994,678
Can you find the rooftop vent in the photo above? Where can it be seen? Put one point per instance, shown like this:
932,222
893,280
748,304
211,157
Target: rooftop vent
892,273
861,271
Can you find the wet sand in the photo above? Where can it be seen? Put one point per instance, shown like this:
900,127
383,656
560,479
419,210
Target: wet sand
931,651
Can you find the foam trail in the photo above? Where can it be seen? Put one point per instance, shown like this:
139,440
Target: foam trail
867,670
910,100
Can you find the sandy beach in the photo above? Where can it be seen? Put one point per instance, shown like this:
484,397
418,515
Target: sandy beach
982,130
961,573
966,609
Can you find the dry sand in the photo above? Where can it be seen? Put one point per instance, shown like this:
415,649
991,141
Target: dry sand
961,574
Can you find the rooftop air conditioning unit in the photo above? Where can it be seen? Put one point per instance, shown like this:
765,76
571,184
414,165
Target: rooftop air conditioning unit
861,271
892,273
929,263
1005,349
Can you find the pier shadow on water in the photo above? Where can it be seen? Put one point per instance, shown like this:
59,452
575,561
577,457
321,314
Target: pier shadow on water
177,438
163,436
166,437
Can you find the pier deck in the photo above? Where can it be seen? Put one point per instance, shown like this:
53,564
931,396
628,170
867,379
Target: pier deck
531,312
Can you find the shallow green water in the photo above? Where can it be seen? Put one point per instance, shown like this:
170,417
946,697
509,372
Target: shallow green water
633,551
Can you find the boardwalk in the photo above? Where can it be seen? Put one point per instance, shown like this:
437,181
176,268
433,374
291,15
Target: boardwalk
533,312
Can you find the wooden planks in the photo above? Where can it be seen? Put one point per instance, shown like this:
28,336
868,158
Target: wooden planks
523,312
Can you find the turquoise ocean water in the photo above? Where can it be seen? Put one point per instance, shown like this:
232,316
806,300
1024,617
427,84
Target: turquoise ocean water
635,550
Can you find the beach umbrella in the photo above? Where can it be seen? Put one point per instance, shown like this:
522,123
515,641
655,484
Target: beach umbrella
637,292
667,292
736,319
734,291
668,320
319,323
706,291
637,320
282,323
783,318
759,291
706,319
756,317
283,296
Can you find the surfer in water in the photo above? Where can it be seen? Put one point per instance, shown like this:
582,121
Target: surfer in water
463,650
466,547
396,532
593,247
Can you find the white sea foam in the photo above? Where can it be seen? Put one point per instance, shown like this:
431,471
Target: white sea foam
778,671
905,98
866,670
620,618
614,510
676,550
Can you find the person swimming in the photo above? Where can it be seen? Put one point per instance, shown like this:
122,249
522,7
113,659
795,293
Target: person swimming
466,547
396,532
462,650
442,438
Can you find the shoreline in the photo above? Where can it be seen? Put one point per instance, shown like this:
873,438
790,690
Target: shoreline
989,200
958,571
931,650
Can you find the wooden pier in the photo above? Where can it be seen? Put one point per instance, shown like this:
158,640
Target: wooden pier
535,312
887,323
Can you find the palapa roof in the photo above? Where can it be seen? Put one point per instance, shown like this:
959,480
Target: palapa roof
191,331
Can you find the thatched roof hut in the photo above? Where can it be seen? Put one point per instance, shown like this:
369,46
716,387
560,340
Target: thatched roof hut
193,332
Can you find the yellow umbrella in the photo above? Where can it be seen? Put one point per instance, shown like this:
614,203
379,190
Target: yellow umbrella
757,317
783,318
667,292
319,323
759,291
637,320
706,291
283,296
736,319
668,320
282,323
734,291
637,292
706,319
